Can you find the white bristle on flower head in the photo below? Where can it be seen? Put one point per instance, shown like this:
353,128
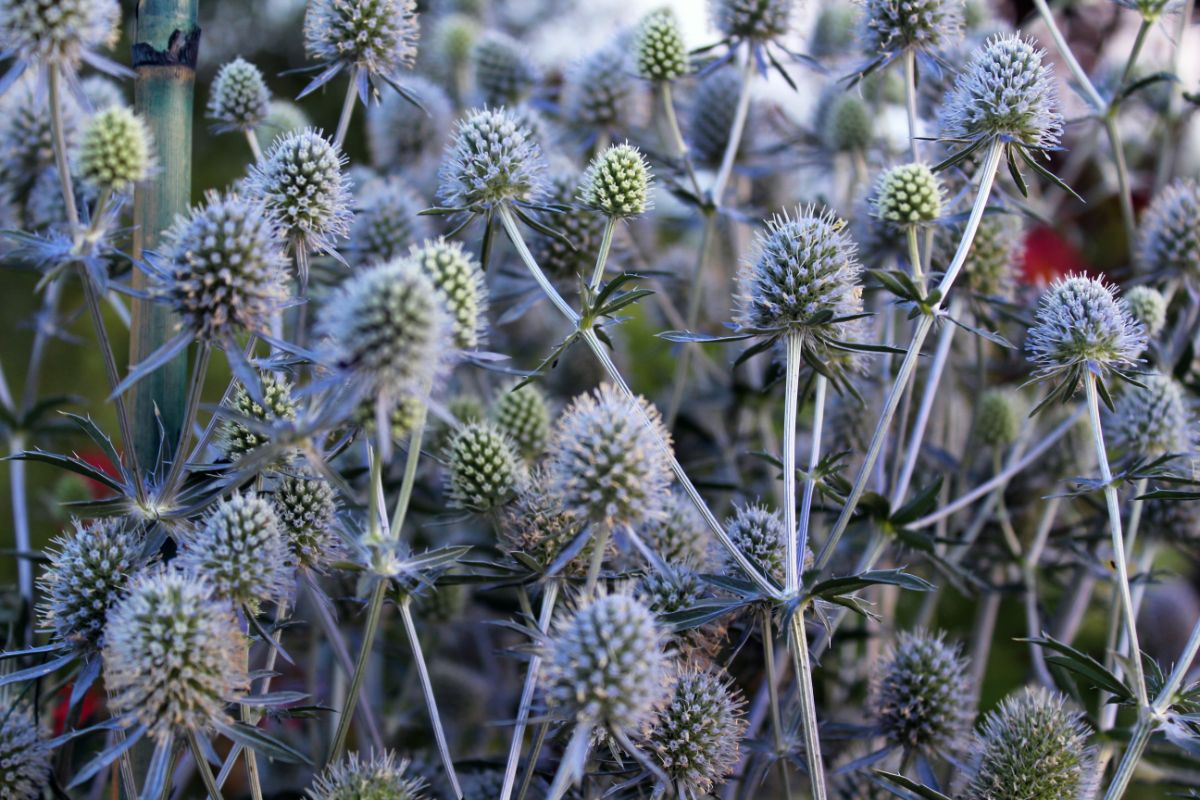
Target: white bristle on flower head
696,735
890,26
387,222
491,159
659,48
922,695
307,508
484,469
1080,321
617,183
25,757
379,36
757,20
239,98
58,31
1168,242
758,534
381,777
1149,307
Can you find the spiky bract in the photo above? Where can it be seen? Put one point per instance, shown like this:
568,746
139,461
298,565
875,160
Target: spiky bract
234,438
380,777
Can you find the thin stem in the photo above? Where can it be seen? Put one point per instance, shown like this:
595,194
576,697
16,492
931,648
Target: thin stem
914,256
610,227
206,776
374,612
1033,626
820,390
772,681
347,112
60,149
986,179
549,596
195,389
681,148
1081,77
793,344
808,706
20,509
736,129
910,102
410,472
599,545
1135,51
255,148
1124,192
695,298
427,689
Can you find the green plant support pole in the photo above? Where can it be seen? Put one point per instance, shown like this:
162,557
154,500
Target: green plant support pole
166,43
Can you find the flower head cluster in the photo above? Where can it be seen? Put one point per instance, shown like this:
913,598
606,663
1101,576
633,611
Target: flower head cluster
758,534
504,73
173,653
485,470
458,278
757,20
401,134
1152,419
492,159
609,458
523,414
307,506
909,194
670,590
234,438
58,31
386,223
1169,235
998,417
889,26
239,99
1149,307
679,534
378,36
601,91
86,577
114,151
922,693
24,757
659,48
617,183
695,736
381,777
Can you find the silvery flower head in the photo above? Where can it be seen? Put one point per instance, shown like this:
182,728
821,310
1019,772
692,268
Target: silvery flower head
114,151
458,278
908,194
695,736
373,38
617,183
891,26
235,439
994,262
307,506
302,183
1168,240
606,664
239,99
758,534
1004,92
1080,324
710,115
582,227
922,696
610,459
998,417
26,140
227,267
173,653
756,20
504,72
659,49
1152,420
484,468
601,91
401,134
1032,747
679,534
492,159
241,549
25,758
88,575
381,777
670,590
522,412
386,223
58,32
1149,307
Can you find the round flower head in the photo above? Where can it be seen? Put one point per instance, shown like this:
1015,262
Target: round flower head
504,73
86,577
759,20
711,113
922,693
24,756
679,535
617,183
484,468
659,48
1005,92
804,277
695,736
1152,421
386,223
306,507
1169,234
889,26
376,36
302,183
535,523
582,227
909,194
283,117
601,91
1149,307
523,414
235,439
844,123
400,133
670,590
173,653
114,151
241,549
58,31
239,98
227,267
26,140
1032,748
380,778
402,418
609,458
994,262
491,159
1080,322
606,664
998,417
458,279
758,533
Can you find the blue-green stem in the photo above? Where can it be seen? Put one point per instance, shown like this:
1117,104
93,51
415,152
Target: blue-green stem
910,103
610,228
793,344
820,390
439,734
772,682
206,776
348,104
681,148
549,596
736,129
695,298
808,705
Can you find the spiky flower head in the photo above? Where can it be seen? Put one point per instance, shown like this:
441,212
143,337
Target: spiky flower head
1151,10
804,276
401,420
227,267
241,549
757,532
890,26
679,535
536,523
1149,307
1004,92
1176,521
26,139
386,223
401,134
458,278
234,439
58,31
1152,419
1080,323
1169,234
239,98
844,123
523,414
1032,748
609,458
582,227
922,695
491,159
909,194
695,736
504,73
759,20
87,575
606,664
381,777
173,653
660,51
998,417
283,117
306,506
24,756
993,264
485,470
378,36
711,112
114,151
302,182
670,590
617,183
388,324
601,91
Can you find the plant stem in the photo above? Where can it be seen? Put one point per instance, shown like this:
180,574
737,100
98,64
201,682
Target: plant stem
549,596
677,139
206,776
255,148
427,688
60,149
914,256
1123,190
736,129
347,112
602,256
695,298
410,472
1081,77
910,102
772,681
20,509
599,545
808,705
820,390
793,342
374,612
196,388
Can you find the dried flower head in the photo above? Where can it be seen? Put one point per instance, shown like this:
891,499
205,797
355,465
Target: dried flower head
458,278
922,695
492,159
59,32
234,439
909,194
679,535
1149,307
998,417
227,267
523,414
757,532
381,777
659,49
173,653
536,523
504,73
307,506
609,458
114,151
378,37
890,26
617,183
386,222
695,736
1152,419
239,99
401,134
757,20
24,756
86,576
601,91
1169,235
485,470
